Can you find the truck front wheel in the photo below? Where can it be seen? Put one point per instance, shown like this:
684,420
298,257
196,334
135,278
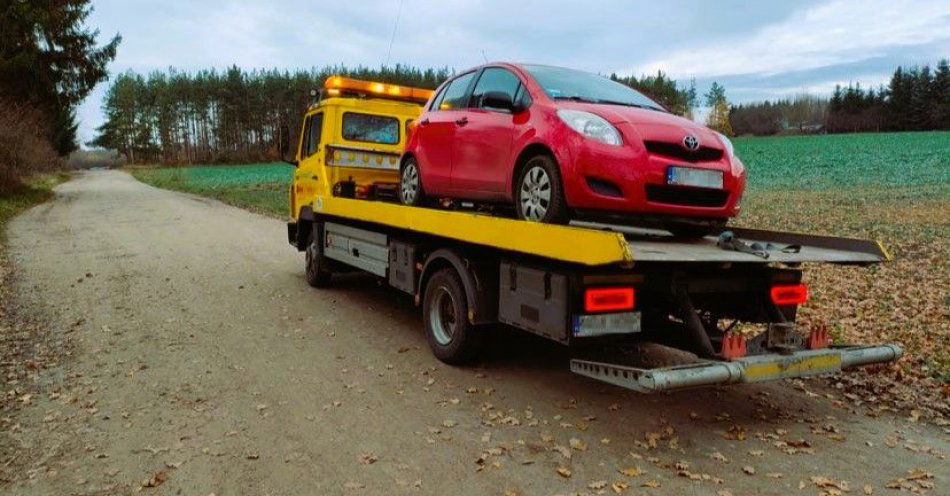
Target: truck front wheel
445,311
318,275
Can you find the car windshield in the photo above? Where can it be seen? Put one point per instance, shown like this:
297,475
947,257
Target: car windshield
569,84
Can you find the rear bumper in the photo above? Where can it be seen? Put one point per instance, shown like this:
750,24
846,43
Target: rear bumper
759,368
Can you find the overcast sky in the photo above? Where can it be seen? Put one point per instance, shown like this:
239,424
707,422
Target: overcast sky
757,49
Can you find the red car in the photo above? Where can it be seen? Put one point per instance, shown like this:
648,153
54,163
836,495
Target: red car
560,143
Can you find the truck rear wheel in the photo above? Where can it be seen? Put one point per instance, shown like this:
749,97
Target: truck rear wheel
318,275
445,312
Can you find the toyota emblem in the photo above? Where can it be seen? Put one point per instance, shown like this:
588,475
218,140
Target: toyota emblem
691,142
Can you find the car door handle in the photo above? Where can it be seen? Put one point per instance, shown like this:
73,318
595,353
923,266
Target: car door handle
424,122
461,121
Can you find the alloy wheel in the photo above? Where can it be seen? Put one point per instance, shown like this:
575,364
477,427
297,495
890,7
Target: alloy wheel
535,194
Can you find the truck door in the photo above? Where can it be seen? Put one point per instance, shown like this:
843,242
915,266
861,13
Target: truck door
436,134
307,177
481,159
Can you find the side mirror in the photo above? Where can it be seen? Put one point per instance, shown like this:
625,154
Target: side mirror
283,144
498,100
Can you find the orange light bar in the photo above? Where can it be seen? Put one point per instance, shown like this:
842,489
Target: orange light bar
336,84
608,299
793,294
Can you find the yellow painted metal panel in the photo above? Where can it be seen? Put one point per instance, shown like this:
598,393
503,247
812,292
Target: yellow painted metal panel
565,243
792,368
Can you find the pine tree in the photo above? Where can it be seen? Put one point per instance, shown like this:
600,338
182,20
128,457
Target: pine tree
49,60
719,114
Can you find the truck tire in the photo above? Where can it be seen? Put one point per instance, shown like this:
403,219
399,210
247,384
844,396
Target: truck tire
318,275
539,195
451,337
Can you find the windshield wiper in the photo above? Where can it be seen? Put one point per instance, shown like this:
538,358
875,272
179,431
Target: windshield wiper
576,98
628,104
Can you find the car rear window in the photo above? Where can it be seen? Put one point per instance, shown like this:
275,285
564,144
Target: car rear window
370,128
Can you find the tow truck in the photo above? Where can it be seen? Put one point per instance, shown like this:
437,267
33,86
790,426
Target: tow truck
595,287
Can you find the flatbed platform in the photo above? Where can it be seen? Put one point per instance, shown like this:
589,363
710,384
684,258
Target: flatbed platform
595,244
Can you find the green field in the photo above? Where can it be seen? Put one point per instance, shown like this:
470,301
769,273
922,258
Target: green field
894,187
891,167
262,188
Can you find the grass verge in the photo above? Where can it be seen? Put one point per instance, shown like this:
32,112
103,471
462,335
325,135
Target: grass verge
35,191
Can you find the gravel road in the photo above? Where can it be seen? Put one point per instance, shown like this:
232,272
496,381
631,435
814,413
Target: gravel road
201,362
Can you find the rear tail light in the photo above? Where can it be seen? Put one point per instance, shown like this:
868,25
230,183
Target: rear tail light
608,299
793,294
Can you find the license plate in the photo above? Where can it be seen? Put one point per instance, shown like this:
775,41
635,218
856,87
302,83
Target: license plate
606,323
688,176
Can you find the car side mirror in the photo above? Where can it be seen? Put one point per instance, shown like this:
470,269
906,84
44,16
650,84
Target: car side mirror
498,100
283,144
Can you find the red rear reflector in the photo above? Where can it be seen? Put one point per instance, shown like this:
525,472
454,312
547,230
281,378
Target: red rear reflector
733,346
794,294
608,299
818,338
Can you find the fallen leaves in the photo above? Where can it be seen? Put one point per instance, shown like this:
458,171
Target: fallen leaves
916,480
631,471
156,480
564,472
735,433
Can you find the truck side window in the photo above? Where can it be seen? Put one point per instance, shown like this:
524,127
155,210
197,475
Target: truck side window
305,138
316,130
495,79
454,97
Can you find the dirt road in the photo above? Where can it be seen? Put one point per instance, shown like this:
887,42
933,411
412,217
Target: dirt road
202,360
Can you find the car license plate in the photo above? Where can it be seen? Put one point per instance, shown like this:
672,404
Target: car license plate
688,176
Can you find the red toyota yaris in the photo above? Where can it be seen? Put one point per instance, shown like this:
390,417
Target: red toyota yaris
560,144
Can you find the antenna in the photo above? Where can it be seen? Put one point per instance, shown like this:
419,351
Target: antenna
393,37
484,57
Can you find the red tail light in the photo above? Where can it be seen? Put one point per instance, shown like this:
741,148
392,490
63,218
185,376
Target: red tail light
608,299
793,294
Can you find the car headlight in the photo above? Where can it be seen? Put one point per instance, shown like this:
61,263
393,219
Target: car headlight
726,143
591,125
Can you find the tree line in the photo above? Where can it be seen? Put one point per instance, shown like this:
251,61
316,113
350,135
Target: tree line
49,62
915,99
229,116
235,115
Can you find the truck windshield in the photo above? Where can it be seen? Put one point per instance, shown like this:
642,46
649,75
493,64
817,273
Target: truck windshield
370,128
569,84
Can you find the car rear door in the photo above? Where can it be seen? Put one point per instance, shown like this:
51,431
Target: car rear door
436,134
483,138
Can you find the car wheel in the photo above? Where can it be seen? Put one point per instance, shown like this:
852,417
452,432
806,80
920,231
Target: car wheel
410,184
539,195
451,337
318,274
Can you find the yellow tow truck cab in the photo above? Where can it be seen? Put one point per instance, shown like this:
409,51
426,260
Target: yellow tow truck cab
351,140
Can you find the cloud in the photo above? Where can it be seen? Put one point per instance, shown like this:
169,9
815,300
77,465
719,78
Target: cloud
833,33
